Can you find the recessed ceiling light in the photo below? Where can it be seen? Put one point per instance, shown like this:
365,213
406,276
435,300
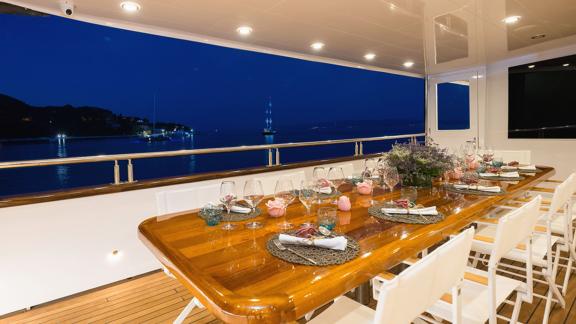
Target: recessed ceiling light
511,19
244,30
566,64
538,36
370,56
317,46
130,6
531,66
408,64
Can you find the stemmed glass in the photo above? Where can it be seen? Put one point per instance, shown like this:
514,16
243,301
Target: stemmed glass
336,176
308,194
285,190
391,178
228,199
253,195
319,173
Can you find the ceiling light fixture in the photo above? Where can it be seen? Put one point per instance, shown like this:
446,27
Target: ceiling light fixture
408,64
538,36
244,30
566,64
317,46
370,56
130,6
531,66
511,19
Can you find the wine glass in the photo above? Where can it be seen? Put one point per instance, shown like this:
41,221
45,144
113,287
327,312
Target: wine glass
253,195
391,178
319,173
285,191
370,164
336,176
228,199
308,194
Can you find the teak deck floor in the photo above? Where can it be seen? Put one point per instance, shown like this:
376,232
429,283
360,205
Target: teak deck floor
156,298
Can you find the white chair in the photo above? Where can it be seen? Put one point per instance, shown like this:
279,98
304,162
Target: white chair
484,291
186,199
405,297
554,234
180,200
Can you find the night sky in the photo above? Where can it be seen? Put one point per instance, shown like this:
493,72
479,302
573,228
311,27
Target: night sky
56,61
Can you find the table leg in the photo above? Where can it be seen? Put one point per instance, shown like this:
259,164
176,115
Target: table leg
364,293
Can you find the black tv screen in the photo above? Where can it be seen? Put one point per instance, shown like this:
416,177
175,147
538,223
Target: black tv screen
542,99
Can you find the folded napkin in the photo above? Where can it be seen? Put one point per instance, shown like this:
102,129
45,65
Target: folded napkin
502,175
240,209
524,168
325,190
412,211
479,188
336,243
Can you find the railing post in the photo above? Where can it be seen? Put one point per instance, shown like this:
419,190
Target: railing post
355,148
361,148
277,156
270,159
130,171
116,172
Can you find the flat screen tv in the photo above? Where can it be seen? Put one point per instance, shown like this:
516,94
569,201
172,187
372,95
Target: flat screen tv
542,99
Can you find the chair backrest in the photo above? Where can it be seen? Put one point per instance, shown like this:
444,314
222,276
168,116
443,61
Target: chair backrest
186,199
562,193
416,289
515,228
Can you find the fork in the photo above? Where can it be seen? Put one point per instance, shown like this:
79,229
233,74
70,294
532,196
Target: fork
281,247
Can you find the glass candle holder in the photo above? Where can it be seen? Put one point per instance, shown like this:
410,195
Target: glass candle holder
327,217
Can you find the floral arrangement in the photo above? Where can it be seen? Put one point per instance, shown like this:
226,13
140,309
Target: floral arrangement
418,164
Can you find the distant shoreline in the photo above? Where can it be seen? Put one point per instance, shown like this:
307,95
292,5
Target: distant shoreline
54,139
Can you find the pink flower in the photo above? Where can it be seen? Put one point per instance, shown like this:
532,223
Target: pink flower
276,207
457,173
473,165
364,188
344,203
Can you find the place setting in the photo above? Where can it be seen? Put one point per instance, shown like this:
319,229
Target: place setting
406,210
315,244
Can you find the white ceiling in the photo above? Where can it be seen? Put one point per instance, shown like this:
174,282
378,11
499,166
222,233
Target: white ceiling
437,35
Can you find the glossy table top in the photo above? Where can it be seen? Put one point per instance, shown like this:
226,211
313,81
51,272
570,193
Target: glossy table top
233,275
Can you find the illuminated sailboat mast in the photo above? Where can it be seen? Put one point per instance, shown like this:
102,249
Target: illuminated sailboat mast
268,130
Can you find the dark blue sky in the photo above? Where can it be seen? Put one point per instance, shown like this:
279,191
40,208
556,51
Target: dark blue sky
56,61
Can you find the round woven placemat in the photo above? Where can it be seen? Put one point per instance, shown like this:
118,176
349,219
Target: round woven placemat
235,217
496,178
322,256
376,211
474,192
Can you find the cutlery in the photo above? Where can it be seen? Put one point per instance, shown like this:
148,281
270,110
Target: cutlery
281,247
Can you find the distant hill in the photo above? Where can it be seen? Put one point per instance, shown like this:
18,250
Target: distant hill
20,120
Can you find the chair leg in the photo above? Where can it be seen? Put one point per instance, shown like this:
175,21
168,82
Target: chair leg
516,311
457,305
567,275
191,305
548,306
550,275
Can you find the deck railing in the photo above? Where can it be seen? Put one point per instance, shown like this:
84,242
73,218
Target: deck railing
273,154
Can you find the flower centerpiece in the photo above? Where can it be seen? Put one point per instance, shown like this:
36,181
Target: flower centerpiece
418,164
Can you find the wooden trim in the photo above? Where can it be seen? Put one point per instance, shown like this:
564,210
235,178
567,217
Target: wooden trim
147,184
487,239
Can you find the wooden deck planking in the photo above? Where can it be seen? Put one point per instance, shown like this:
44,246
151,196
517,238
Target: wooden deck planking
158,299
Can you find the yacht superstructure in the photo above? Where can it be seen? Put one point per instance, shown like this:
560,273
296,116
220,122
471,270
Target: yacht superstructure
64,243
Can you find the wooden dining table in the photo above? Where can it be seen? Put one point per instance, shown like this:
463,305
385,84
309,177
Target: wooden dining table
239,281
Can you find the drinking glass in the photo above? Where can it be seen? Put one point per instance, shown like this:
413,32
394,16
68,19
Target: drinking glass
336,176
228,198
498,162
488,155
253,195
319,173
285,190
327,217
370,164
308,194
391,177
